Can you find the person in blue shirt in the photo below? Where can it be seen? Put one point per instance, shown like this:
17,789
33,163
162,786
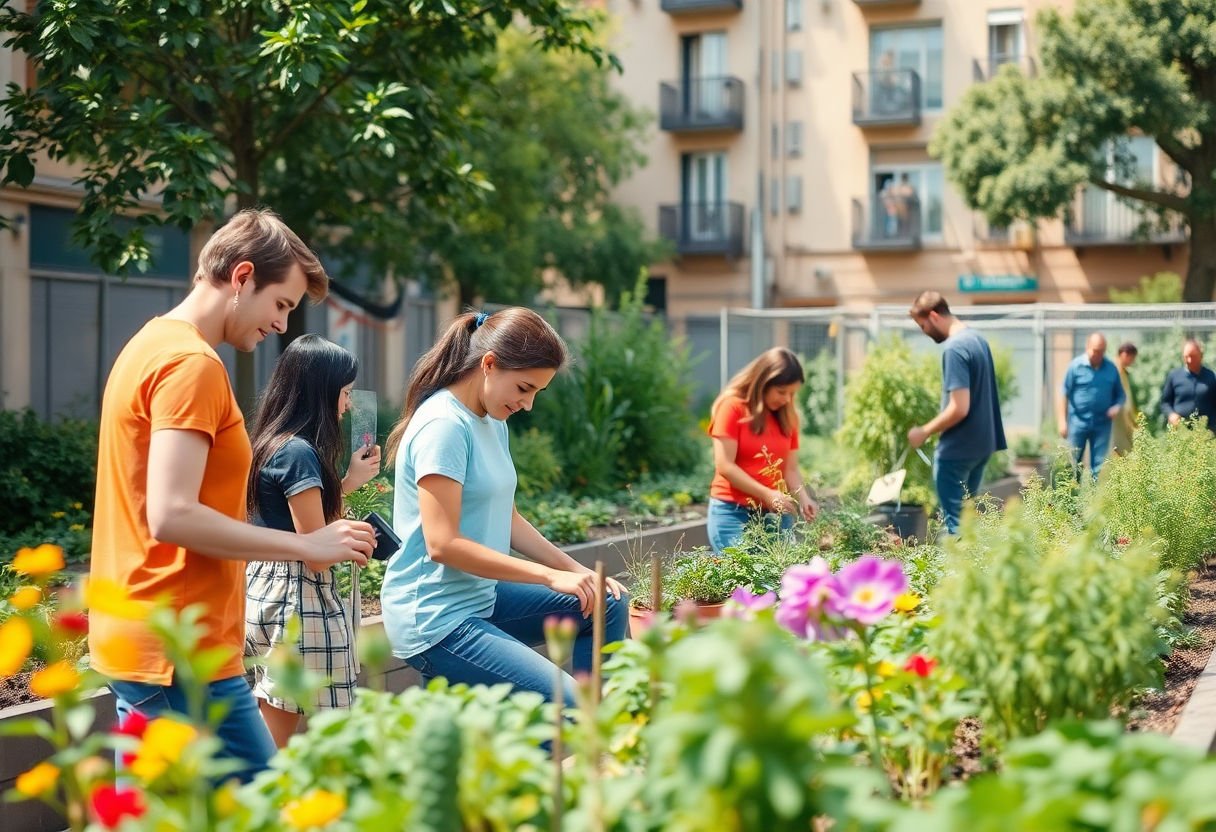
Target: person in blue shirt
456,603
1190,390
1091,398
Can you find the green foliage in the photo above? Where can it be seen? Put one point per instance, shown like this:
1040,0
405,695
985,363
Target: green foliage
1162,287
564,519
436,785
623,407
1135,505
351,120
894,390
1158,353
817,396
1018,147
1066,630
536,462
375,495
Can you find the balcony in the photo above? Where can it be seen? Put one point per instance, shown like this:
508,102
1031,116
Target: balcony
886,223
987,69
700,6
878,4
700,105
886,98
703,228
1098,218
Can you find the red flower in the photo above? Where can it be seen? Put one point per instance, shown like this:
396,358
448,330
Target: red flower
1123,541
111,804
133,725
920,664
72,623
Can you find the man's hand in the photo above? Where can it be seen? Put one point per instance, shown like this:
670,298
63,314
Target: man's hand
1175,419
340,541
917,436
1113,412
1064,431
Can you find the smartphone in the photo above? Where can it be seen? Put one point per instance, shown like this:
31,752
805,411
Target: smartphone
387,542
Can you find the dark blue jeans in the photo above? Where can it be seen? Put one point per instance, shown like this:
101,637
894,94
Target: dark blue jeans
489,651
726,520
1097,437
243,732
955,479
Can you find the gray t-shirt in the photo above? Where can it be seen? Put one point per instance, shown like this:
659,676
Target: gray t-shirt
967,363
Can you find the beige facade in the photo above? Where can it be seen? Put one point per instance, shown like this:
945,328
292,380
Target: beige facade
825,147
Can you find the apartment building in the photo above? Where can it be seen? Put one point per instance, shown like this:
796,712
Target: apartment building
788,164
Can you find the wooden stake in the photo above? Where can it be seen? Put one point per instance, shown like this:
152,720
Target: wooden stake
656,606
558,697
597,635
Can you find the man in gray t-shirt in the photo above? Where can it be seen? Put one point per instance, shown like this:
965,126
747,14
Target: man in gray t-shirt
970,418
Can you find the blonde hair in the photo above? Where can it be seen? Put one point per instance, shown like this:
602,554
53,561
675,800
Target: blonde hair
772,368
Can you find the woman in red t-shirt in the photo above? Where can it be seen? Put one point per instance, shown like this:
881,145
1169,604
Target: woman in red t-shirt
754,426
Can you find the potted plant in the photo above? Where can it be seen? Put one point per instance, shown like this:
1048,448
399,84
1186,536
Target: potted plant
698,580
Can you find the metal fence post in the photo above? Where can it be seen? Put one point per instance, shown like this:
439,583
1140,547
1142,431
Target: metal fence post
724,349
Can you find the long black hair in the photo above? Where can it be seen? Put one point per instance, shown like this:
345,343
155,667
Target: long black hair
301,400
519,338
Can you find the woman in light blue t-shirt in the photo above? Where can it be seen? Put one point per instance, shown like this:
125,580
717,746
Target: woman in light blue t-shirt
456,603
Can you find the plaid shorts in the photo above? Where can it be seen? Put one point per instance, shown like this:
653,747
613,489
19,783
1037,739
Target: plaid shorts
277,591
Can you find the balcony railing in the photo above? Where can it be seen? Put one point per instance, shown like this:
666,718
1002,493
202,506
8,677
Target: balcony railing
886,222
1097,218
701,104
886,97
986,69
877,3
698,6
711,228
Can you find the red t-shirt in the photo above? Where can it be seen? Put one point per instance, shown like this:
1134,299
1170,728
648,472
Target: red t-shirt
732,420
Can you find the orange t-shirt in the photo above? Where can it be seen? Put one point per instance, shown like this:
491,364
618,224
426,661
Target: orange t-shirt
166,378
732,420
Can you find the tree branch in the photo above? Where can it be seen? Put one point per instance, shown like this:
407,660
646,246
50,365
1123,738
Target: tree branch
1169,201
1185,157
299,118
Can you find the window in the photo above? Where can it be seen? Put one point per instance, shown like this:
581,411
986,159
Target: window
1004,38
704,194
793,68
774,196
793,138
916,189
703,66
793,15
775,142
1129,161
917,48
793,194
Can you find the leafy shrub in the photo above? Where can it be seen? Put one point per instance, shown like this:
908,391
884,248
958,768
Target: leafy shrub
1046,630
1165,485
45,467
817,396
536,462
562,519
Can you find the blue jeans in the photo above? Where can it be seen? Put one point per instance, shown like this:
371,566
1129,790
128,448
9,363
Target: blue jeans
1098,439
489,651
954,479
243,732
726,520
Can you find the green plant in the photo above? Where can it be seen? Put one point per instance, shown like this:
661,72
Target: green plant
434,787
1162,287
70,528
817,396
536,462
1028,446
372,496
1066,630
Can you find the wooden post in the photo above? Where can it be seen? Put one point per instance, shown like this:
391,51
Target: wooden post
558,701
597,635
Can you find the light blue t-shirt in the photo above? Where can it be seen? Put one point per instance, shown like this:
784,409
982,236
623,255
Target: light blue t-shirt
424,601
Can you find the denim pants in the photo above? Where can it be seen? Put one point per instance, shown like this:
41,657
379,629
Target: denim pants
243,732
726,520
954,479
1098,439
489,651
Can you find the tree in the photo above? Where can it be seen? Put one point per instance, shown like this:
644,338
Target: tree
551,137
1018,147
345,117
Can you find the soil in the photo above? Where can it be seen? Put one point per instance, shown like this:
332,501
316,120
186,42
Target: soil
15,690
627,524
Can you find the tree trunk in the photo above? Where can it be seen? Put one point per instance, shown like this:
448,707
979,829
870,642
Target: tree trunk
1201,271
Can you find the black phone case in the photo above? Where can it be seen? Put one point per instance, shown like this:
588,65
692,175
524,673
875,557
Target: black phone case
387,542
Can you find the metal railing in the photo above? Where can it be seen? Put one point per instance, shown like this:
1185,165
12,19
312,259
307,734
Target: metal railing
711,228
865,3
987,68
698,104
1098,217
692,6
886,222
886,97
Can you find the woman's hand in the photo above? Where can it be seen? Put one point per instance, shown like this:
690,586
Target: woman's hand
361,471
579,584
807,507
781,503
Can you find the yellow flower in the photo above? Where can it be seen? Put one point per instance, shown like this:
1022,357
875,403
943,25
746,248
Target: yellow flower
907,602
26,598
54,680
58,515
317,808
886,669
224,800
39,562
865,699
16,642
77,506
105,596
38,780
77,527
163,744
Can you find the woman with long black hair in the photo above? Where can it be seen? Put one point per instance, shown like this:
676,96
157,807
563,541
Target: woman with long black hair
294,486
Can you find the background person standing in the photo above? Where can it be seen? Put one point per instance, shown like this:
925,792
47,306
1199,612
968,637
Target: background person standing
970,419
1090,400
1190,390
1124,427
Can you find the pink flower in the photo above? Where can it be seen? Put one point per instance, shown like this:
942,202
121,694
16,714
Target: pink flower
744,604
685,611
867,589
805,590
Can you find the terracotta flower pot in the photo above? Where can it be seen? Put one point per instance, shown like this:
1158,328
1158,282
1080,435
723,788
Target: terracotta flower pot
640,619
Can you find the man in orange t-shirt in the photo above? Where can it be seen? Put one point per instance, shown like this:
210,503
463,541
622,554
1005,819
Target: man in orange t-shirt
172,466
754,427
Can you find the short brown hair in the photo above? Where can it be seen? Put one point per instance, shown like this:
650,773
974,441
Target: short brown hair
260,236
1129,348
927,302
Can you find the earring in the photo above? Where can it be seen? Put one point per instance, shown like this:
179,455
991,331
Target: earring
236,301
